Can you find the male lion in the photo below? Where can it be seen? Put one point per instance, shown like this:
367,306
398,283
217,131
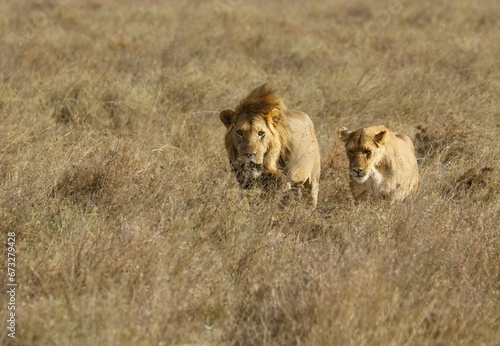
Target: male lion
381,163
268,145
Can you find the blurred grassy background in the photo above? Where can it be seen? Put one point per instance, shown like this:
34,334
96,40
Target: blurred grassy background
131,229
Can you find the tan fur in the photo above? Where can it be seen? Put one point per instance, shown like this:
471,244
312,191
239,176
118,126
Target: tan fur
382,163
269,145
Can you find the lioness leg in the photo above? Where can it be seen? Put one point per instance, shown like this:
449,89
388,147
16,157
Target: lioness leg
314,194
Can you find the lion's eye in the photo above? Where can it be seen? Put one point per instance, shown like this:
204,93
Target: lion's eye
368,152
349,152
261,133
239,133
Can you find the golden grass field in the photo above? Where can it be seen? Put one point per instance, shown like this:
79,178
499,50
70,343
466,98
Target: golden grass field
130,227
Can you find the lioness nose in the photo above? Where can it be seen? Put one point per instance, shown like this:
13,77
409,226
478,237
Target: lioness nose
357,170
250,155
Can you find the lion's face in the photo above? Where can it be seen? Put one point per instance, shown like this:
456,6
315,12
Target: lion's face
364,151
251,137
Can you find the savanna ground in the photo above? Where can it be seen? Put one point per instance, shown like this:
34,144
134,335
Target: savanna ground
130,229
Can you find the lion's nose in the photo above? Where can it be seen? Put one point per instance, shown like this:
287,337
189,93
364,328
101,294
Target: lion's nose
357,170
250,155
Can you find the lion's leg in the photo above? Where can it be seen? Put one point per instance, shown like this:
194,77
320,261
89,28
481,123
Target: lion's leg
314,193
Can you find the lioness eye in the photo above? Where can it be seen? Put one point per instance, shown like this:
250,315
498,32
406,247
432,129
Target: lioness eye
368,152
239,133
349,152
261,133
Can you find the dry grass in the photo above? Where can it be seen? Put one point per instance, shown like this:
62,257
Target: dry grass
130,227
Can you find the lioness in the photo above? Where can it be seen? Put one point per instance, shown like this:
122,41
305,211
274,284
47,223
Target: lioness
381,163
268,145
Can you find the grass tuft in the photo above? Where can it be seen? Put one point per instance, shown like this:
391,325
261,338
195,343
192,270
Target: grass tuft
131,229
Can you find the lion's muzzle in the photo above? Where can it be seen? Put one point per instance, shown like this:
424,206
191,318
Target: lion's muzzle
359,175
250,162
257,167
357,172
249,166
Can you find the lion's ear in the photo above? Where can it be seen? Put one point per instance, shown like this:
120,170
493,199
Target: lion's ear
274,116
227,117
381,137
344,134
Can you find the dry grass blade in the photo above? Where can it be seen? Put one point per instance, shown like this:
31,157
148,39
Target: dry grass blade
131,229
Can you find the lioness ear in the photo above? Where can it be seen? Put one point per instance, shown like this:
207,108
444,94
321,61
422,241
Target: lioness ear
344,134
227,117
274,116
381,137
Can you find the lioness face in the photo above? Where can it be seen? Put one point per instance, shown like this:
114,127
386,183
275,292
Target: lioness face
362,161
251,136
364,151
